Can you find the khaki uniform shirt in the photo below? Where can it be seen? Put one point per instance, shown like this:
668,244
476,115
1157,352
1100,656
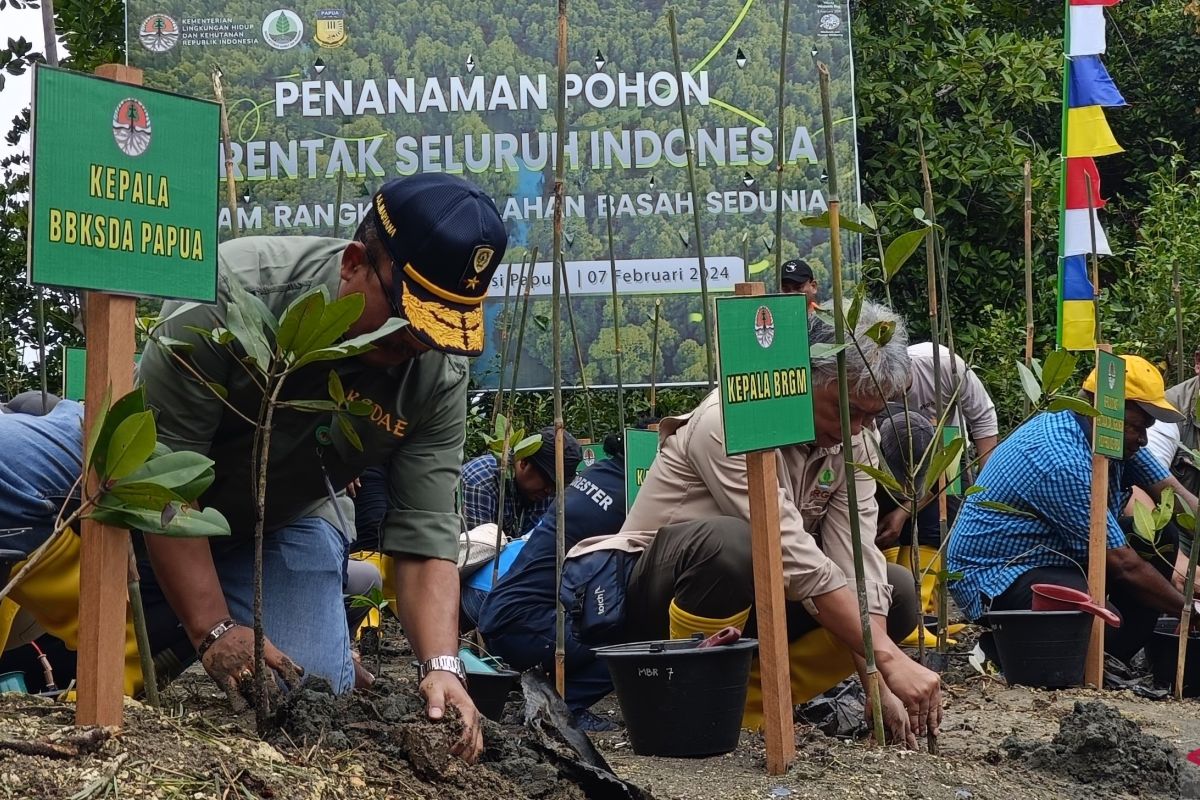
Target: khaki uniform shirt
693,479
973,407
1186,398
417,424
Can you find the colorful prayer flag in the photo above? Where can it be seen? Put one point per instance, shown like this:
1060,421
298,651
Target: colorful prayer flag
1078,325
1077,233
1088,133
1076,285
1091,84
1094,2
1077,186
1087,30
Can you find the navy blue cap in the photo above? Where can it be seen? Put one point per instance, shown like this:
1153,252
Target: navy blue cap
446,238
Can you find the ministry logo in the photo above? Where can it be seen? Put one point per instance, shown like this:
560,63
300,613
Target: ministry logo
159,33
131,127
282,29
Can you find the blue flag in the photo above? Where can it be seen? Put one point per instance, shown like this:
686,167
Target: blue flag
1091,85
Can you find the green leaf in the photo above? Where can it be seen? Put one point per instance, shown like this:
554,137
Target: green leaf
867,217
336,320
942,461
301,319
360,408
1058,369
823,221
178,345
823,350
528,446
98,427
900,250
244,321
182,308
1029,383
191,523
860,294
884,478
132,443
1187,521
149,496
976,489
1063,402
173,520
217,389
170,471
881,332
336,392
348,431
1165,509
192,491
1143,523
352,347
123,409
1004,508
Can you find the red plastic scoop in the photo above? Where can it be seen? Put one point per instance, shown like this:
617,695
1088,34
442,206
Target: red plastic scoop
721,637
1052,597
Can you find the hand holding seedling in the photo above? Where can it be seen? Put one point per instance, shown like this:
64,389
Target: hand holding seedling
229,661
918,688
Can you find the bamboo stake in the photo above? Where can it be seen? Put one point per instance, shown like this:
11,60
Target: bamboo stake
512,389
654,358
839,326
1185,616
50,35
709,337
780,150
1097,529
1181,357
142,632
587,395
337,204
1028,274
227,148
616,311
508,331
560,651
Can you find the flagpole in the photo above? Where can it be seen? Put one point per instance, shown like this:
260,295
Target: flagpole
1062,166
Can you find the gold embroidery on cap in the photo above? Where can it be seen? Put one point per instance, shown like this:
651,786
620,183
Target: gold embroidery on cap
437,291
444,326
381,210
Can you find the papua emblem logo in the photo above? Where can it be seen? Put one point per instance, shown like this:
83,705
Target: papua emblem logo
1112,376
764,327
131,127
159,33
331,27
282,29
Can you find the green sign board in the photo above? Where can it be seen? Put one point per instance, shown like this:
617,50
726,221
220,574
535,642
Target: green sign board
593,454
640,449
124,188
75,372
762,345
1110,401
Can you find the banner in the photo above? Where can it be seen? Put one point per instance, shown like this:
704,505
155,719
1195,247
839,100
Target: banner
322,96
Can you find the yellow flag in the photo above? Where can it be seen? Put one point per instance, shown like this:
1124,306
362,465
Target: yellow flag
1088,134
1078,325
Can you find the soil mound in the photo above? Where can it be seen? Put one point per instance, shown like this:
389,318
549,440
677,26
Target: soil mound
1096,745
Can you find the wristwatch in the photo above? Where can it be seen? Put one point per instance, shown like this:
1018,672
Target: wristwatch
452,664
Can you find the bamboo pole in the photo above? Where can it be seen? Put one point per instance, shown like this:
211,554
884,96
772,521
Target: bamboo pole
709,337
780,150
227,148
512,384
508,331
560,650
839,326
616,311
1097,529
50,34
1028,274
141,632
587,395
1185,616
337,204
654,358
1180,355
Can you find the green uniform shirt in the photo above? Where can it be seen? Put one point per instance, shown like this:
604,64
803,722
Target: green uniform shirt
417,425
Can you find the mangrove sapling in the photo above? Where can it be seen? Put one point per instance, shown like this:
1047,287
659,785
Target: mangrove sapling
616,312
556,317
378,602
1191,521
507,327
781,157
270,350
508,445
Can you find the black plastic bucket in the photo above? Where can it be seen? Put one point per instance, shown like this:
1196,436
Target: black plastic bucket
490,690
678,700
1045,649
1162,650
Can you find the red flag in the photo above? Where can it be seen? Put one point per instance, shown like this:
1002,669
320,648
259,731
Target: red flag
1077,197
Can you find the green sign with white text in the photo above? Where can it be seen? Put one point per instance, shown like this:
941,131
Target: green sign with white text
641,447
762,344
1110,402
124,188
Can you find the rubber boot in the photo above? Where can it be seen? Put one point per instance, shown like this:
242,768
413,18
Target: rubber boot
817,662
387,568
50,593
930,564
683,624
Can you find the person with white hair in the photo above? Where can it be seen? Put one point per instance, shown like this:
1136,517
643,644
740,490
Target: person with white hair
686,549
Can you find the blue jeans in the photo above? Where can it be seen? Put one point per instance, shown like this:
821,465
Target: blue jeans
304,566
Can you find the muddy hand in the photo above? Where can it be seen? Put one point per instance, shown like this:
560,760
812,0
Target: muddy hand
441,689
896,722
921,692
230,663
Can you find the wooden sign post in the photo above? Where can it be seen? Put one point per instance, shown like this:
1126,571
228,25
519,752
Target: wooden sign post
1108,441
123,204
765,404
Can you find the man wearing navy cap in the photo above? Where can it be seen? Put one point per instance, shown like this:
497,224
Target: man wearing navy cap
798,278
425,253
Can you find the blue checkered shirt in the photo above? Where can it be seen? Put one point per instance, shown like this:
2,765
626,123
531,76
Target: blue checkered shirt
1045,469
480,487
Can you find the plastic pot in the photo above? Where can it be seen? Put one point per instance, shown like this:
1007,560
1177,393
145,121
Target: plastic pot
1044,649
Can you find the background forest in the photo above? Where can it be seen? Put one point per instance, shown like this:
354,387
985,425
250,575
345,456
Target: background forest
980,79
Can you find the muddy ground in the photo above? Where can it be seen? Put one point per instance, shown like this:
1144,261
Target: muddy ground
998,743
